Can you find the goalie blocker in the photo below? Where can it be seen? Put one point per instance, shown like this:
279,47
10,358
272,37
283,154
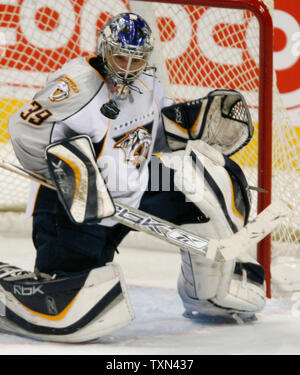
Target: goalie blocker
80,186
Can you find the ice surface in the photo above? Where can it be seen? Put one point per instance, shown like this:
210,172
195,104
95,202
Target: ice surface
159,327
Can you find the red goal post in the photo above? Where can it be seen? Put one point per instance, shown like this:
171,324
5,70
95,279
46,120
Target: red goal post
262,13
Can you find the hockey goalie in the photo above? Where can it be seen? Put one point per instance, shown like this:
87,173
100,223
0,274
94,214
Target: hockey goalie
92,131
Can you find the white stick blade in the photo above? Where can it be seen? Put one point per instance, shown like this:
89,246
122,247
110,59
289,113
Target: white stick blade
254,231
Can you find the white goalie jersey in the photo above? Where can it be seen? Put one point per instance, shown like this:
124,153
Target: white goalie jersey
70,105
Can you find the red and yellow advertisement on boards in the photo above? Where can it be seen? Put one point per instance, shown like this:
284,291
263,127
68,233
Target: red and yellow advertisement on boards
37,37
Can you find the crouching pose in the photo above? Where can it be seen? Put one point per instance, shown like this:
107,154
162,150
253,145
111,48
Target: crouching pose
92,131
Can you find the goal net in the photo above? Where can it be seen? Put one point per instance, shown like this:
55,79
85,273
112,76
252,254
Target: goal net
201,45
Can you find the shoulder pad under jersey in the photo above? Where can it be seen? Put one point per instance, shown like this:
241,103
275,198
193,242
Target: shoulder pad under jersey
70,88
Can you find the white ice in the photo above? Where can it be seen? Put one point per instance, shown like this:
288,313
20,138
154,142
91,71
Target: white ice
159,327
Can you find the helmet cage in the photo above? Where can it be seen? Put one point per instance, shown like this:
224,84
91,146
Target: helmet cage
136,62
112,47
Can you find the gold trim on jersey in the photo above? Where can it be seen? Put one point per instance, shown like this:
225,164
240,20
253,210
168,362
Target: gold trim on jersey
35,199
108,127
105,138
156,103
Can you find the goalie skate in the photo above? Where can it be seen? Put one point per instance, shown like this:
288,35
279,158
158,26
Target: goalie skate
72,309
195,308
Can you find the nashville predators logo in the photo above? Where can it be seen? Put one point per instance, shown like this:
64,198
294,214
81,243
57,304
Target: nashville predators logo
63,89
136,146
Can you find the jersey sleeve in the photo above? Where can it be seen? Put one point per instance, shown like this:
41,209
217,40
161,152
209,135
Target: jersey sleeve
66,93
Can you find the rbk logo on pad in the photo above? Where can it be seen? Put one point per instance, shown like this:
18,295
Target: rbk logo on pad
27,290
136,144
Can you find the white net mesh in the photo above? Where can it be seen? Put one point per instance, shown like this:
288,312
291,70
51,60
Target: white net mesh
198,49
202,49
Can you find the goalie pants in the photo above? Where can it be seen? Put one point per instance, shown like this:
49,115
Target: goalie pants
65,248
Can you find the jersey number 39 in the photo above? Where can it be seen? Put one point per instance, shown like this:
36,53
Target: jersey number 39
36,114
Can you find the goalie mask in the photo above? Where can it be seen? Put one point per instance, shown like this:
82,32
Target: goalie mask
124,44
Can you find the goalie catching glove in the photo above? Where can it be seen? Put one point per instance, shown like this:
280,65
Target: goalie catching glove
221,119
80,186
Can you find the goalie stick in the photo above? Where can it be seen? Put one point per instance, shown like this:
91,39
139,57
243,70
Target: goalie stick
220,250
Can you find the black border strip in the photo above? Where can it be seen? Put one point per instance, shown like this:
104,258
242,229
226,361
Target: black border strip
203,123
234,169
215,189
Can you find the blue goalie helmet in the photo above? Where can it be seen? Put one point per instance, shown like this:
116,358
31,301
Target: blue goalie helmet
124,44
